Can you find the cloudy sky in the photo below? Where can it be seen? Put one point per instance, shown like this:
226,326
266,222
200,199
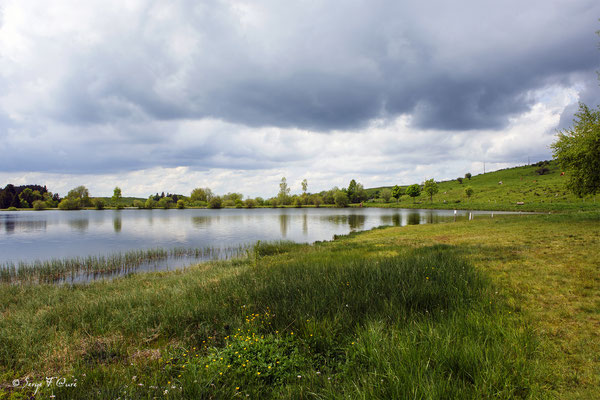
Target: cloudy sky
167,96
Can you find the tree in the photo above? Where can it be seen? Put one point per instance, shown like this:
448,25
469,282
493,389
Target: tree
116,197
397,192
577,150
180,204
98,204
215,202
165,202
459,180
39,205
81,195
150,203
430,187
316,200
283,196
304,186
413,191
386,195
340,198
469,191
468,175
201,194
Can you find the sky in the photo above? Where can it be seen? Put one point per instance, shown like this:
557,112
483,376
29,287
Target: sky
156,96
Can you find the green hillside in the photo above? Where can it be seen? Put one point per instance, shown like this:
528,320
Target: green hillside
500,190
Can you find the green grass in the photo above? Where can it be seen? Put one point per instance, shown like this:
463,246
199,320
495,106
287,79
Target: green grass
490,308
326,321
520,184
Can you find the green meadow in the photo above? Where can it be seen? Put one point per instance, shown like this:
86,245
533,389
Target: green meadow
500,190
490,308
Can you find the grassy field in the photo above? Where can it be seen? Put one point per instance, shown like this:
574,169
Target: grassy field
505,308
520,184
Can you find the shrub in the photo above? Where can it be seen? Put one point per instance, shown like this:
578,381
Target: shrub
150,203
69,204
13,209
250,203
542,171
340,198
227,203
138,204
215,202
39,205
98,204
180,204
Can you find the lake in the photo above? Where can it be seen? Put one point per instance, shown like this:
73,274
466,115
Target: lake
43,235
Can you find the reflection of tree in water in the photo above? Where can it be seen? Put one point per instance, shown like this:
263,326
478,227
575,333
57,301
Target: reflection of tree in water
117,223
397,219
304,224
9,225
200,221
284,221
356,221
414,219
80,224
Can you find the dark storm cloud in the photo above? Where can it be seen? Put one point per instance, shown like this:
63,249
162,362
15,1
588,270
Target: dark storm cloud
323,69
102,87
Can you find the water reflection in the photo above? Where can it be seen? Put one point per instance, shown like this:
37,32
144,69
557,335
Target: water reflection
201,221
354,221
79,224
413,218
284,221
117,223
305,224
11,225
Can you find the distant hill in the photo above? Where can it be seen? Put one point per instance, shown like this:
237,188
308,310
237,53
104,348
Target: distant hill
502,190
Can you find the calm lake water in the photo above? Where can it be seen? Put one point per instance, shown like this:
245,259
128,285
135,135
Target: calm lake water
44,235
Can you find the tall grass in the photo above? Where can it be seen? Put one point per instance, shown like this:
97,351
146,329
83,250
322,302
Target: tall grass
305,322
91,267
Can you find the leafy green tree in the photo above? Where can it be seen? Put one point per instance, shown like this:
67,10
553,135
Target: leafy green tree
81,195
430,187
468,175
138,204
316,200
397,192
116,197
413,191
39,205
577,150
250,203
459,180
69,203
469,191
180,204
215,202
351,189
283,196
150,203
98,204
165,202
386,195
340,198
304,186
201,194
234,197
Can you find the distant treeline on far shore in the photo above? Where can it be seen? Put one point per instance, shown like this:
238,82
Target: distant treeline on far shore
38,197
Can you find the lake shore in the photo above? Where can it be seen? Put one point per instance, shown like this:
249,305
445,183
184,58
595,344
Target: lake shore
327,319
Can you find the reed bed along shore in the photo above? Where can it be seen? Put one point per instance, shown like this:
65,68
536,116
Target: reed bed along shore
98,266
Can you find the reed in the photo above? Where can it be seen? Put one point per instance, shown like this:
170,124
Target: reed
98,266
